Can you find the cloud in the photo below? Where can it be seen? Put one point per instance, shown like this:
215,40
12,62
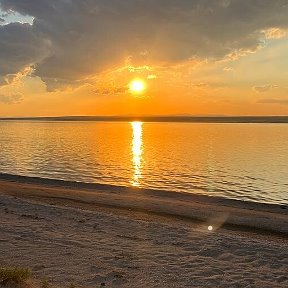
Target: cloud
228,69
151,76
70,40
274,33
211,85
274,101
200,85
264,88
20,47
111,91
11,99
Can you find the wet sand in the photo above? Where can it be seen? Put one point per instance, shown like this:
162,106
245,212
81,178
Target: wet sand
93,234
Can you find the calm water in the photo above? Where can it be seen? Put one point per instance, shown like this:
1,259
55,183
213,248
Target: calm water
239,161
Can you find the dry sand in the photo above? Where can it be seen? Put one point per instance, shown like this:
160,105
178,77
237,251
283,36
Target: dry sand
90,236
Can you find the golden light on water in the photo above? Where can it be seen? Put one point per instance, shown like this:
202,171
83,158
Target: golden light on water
137,86
137,150
210,228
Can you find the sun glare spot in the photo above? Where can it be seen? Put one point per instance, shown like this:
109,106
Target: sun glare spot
210,228
137,86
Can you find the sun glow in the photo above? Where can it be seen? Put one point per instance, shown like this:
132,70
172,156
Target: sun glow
137,86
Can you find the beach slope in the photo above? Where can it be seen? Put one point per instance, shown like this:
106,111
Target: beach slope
93,235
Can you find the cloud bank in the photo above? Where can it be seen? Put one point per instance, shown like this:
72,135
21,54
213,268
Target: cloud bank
71,40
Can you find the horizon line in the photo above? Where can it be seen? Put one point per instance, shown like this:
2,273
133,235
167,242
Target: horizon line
160,118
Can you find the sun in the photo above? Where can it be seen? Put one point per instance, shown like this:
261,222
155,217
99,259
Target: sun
137,86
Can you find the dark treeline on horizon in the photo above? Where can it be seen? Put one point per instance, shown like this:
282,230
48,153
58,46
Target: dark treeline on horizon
192,119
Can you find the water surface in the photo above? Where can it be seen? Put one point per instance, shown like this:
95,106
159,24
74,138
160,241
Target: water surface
237,161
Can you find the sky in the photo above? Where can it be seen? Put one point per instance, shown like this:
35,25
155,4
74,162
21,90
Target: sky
193,57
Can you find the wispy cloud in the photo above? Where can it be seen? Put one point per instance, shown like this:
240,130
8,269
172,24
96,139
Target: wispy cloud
111,91
228,69
274,33
11,99
264,88
274,101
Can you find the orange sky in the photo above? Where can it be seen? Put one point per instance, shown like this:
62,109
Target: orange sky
197,72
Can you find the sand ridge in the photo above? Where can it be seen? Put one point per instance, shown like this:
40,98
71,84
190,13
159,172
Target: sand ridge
215,211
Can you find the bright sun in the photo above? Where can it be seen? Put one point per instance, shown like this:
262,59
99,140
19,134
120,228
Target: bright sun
137,86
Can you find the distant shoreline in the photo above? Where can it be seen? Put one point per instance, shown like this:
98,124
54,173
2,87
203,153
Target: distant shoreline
215,211
183,119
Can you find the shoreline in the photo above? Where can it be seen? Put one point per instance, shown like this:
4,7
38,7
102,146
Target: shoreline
213,211
74,236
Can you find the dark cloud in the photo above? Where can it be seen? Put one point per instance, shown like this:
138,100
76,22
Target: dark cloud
90,36
11,99
264,88
20,46
274,101
111,91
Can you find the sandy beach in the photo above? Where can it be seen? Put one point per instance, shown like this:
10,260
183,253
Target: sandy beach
93,235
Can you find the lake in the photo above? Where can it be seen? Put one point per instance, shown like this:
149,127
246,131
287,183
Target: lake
236,161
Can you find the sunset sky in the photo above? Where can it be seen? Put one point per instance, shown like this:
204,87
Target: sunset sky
198,57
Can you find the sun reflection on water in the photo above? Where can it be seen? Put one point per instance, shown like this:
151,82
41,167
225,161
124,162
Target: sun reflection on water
137,150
